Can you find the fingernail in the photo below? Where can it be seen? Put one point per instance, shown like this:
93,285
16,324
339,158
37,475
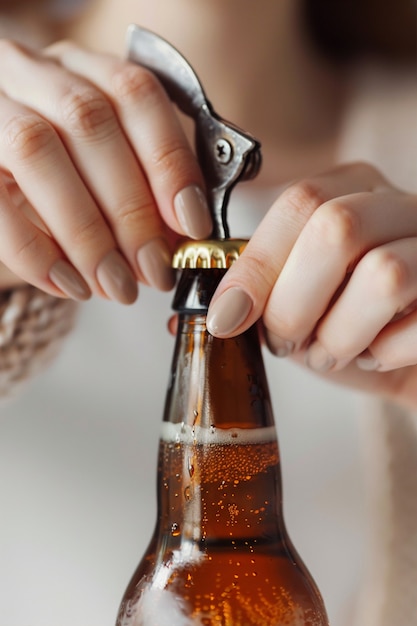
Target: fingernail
66,278
228,312
318,359
154,260
116,278
278,346
193,213
367,362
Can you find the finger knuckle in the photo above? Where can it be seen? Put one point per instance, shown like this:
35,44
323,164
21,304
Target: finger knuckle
28,135
364,168
10,48
288,325
60,46
134,83
253,269
387,272
304,197
134,214
87,232
257,268
170,158
28,248
85,111
336,225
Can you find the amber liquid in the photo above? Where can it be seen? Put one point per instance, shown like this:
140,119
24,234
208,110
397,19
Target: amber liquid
220,556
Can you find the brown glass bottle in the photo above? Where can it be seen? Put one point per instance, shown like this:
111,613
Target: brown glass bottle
220,554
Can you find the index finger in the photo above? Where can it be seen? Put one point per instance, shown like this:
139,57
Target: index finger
244,292
153,129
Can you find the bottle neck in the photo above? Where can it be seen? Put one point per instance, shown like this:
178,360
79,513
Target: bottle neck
217,383
218,451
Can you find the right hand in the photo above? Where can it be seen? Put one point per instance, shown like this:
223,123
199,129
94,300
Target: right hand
96,175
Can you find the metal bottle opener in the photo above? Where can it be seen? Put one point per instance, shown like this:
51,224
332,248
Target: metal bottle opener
226,154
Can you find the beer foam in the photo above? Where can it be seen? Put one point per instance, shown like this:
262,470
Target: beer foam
188,434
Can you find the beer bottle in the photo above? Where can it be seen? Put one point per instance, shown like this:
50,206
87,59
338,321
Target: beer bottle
220,554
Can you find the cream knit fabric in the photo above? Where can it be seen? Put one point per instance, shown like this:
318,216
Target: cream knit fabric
32,326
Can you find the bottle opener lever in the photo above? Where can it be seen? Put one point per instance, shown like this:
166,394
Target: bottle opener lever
226,154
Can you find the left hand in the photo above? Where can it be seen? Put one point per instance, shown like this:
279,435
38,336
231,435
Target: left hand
332,271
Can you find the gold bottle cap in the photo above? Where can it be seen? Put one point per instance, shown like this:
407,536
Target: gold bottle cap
208,254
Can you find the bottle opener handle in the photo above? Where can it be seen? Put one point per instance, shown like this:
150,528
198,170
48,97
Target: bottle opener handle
226,154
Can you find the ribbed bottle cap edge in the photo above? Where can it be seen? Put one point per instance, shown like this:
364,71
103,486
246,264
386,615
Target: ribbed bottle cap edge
208,254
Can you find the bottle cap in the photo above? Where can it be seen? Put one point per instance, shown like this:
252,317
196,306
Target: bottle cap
208,254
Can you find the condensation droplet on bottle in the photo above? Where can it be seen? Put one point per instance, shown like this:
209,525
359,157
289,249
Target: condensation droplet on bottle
191,467
175,529
187,493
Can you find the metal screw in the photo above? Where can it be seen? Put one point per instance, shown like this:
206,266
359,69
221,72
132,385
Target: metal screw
224,151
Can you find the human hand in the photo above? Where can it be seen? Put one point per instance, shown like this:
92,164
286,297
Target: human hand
332,271
96,175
